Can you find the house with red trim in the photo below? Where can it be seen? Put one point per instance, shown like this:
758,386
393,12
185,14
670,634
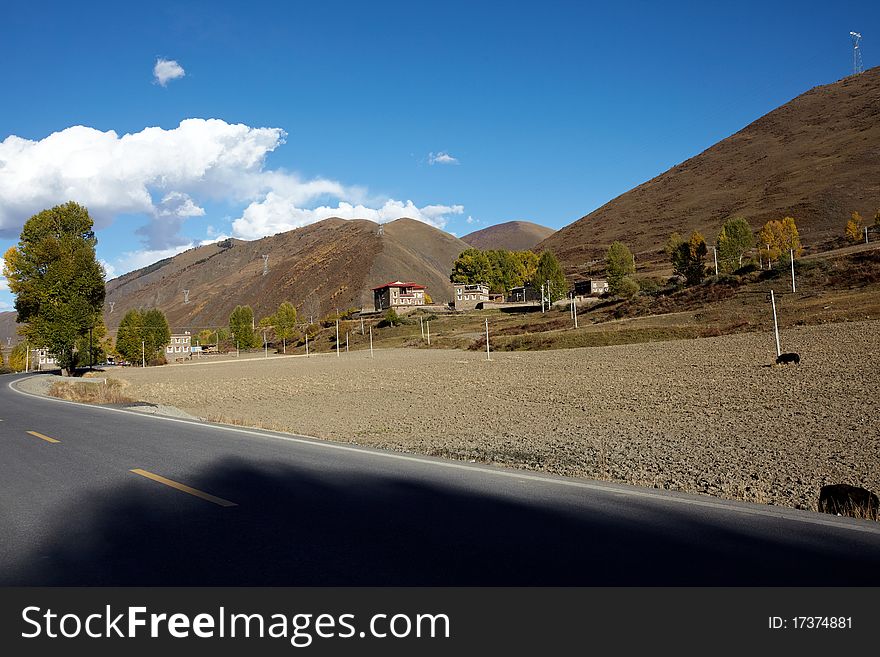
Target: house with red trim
398,294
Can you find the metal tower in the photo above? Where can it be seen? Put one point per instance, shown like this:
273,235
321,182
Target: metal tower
265,265
112,303
186,296
857,53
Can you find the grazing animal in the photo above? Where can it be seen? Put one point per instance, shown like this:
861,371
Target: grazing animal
785,359
846,500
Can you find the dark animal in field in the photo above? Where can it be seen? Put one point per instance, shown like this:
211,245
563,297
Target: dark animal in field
846,500
785,359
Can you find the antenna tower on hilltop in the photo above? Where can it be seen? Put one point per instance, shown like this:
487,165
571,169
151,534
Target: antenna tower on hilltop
857,52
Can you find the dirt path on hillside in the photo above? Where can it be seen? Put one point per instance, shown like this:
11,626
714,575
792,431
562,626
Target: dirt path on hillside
707,416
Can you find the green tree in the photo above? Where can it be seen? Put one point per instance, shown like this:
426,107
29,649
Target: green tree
128,336
56,279
618,264
284,321
526,265
688,258
504,271
155,333
548,269
734,241
471,267
95,340
854,227
241,325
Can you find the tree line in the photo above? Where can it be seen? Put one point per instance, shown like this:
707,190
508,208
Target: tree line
501,270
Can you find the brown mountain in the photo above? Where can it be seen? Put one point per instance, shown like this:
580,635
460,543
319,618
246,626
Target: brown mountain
327,265
324,266
816,158
511,235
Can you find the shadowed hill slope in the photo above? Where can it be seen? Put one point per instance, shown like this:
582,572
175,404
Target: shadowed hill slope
816,158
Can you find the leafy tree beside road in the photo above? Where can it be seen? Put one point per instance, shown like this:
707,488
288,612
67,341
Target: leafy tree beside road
241,325
143,334
57,281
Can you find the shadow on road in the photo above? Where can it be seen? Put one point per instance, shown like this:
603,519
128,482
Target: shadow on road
293,528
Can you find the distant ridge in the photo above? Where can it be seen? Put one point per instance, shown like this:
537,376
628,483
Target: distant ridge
816,158
511,235
321,267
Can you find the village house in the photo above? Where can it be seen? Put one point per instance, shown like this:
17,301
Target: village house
398,295
180,347
468,296
592,287
523,294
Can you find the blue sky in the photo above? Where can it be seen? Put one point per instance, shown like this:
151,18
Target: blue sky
460,113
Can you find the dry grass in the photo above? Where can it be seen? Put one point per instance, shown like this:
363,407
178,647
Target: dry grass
110,392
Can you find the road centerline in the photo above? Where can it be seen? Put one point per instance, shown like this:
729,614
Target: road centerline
195,492
41,436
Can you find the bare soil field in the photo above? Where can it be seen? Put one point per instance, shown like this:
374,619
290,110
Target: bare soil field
710,415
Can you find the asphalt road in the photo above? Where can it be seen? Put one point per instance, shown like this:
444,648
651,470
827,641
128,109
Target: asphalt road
127,499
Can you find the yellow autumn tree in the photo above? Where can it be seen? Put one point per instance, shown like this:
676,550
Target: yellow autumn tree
854,227
781,237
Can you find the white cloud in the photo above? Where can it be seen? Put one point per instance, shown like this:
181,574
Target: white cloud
132,260
168,176
441,158
214,240
470,220
167,69
109,270
276,214
152,172
4,284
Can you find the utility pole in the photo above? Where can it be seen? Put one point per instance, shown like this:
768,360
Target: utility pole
143,353
715,253
27,357
91,362
428,332
371,341
337,336
542,297
866,234
307,343
346,342
793,287
487,339
775,324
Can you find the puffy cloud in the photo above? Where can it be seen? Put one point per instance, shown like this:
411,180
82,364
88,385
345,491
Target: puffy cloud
167,69
471,220
110,174
132,260
109,270
4,284
277,213
441,158
168,175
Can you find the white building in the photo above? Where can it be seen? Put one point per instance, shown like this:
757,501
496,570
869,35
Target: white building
468,296
180,347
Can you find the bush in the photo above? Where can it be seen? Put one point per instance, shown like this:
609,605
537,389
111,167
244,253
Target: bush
650,284
747,268
627,288
391,318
